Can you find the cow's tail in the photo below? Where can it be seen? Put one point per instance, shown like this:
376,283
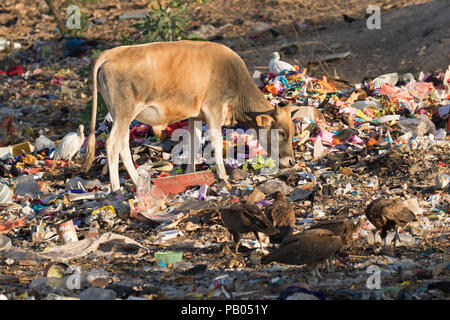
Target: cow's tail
90,150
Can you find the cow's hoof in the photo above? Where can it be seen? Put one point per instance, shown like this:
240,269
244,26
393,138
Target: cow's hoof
224,179
223,183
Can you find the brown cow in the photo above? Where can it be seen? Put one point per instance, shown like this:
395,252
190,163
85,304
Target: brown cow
162,83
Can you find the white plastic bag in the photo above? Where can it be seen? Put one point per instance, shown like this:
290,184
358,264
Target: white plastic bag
149,198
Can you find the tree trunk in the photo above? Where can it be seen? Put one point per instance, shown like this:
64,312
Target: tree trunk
61,25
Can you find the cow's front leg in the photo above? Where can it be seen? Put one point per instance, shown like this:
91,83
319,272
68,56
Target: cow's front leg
195,135
215,131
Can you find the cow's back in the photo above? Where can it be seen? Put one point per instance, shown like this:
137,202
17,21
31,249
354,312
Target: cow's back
177,78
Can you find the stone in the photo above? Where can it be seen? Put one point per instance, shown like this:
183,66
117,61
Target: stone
300,194
257,195
98,294
238,174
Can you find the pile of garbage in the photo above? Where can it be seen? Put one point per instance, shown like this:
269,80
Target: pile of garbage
64,235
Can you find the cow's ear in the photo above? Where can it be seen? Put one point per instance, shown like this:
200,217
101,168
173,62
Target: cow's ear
276,111
264,121
293,110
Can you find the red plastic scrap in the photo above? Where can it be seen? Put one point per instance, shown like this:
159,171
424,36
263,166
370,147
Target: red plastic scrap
9,225
178,125
139,131
31,170
14,71
55,163
179,183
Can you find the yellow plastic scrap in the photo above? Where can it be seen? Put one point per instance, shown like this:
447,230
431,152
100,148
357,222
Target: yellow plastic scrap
63,72
353,97
271,88
375,111
130,201
29,159
406,283
327,87
297,75
109,209
361,114
195,295
364,126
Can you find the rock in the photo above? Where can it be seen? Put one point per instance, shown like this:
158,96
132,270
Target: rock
420,125
80,183
319,149
300,194
98,278
238,174
444,286
415,228
45,286
413,205
406,239
122,291
302,296
273,186
439,268
406,264
290,50
308,112
442,180
257,195
99,20
98,294
26,186
260,27
136,14
206,31
54,296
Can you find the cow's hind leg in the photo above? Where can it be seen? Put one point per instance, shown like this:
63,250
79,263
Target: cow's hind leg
125,155
113,147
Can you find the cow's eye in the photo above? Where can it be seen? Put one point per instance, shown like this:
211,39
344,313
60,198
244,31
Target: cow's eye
282,134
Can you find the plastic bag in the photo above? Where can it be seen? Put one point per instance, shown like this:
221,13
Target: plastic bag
420,126
149,198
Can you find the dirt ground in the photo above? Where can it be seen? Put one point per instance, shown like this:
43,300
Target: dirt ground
413,36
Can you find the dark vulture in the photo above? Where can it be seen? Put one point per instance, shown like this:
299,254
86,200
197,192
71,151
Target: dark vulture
244,218
389,214
282,215
343,228
311,247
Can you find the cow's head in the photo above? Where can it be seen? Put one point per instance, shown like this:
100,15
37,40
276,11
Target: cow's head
280,119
